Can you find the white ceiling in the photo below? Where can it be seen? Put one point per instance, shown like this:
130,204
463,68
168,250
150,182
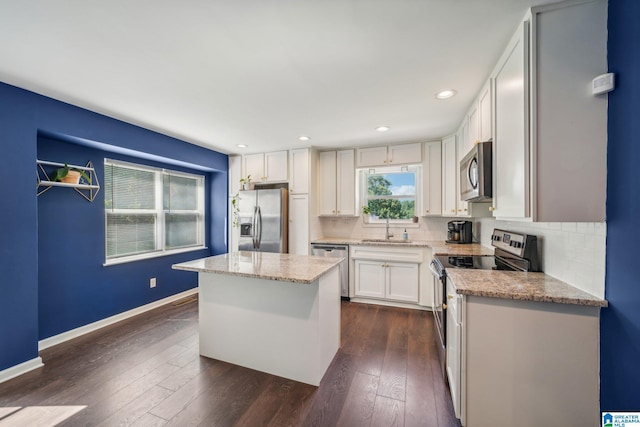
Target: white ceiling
261,72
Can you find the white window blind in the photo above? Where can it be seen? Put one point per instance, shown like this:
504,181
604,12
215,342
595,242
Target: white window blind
150,211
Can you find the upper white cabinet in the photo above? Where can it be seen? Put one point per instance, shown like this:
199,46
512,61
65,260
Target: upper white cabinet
485,130
463,146
389,155
336,183
432,179
511,146
473,132
550,132
266,167
449,176
235,173
299,163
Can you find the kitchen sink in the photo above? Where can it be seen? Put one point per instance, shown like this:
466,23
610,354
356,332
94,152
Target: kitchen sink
384,241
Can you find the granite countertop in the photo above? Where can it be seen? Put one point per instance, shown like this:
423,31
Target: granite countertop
263,265
519,286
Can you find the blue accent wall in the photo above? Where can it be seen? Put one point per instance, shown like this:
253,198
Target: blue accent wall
52,277
620,322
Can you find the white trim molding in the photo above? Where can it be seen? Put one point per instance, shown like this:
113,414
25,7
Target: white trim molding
20,369
75,333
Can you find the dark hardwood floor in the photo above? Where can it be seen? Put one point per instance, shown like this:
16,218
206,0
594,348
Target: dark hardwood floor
146,371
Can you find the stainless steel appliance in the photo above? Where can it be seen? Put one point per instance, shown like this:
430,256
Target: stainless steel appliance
512,252
336,251
459,232
475,174
263,220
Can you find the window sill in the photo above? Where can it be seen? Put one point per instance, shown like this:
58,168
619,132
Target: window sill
151,255
393,225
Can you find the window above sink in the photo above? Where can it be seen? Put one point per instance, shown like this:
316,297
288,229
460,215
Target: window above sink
391,192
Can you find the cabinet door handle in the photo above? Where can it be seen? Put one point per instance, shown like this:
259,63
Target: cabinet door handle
453,210
491,209
466,210
449,296
444,306
427,210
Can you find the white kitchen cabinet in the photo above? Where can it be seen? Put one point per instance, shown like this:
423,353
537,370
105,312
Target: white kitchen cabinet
392,275
372,156
370,279
511,146
462,206
550,133
529,355
473,131
235,173
454,346
336,183
299,224
432,179
389,155
299,164
266,167
449,176
387,280
484,107
402,281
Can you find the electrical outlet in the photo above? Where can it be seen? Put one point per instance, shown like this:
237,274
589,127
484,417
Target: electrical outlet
152,282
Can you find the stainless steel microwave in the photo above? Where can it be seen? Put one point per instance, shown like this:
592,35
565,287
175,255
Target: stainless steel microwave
475,174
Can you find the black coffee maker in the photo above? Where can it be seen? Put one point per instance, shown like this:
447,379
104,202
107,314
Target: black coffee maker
459,231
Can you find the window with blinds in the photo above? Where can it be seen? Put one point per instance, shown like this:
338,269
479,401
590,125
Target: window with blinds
150,211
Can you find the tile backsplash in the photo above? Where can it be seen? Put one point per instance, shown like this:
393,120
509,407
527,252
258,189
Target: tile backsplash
572,252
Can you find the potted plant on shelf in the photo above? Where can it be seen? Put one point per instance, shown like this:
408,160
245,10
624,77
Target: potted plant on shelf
366,211
69,175
244,182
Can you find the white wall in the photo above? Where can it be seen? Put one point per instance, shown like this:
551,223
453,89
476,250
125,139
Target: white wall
572,252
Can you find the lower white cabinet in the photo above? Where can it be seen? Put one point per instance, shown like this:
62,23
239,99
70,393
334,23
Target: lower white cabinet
370,277
508,358
389,280
402,281
392,273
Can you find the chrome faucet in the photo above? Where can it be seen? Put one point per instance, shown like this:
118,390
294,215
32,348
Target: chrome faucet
387,235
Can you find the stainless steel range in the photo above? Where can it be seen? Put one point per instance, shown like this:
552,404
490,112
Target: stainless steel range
512,252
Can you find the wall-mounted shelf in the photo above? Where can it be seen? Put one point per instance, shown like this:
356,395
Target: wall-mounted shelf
88,191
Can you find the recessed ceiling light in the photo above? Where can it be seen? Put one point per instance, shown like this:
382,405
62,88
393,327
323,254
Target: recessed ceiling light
303,138
382,128
242,145
445,94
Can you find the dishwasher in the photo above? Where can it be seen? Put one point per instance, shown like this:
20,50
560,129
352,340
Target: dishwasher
336,251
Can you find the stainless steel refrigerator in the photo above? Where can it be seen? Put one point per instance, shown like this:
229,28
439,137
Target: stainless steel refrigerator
263,220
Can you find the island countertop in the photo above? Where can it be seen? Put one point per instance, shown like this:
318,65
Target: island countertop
264,265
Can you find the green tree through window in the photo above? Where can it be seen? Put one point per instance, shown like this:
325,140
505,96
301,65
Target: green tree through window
388,201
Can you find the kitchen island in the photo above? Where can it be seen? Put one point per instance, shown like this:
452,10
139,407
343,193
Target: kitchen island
276,313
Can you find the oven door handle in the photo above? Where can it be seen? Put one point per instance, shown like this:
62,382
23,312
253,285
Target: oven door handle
433,269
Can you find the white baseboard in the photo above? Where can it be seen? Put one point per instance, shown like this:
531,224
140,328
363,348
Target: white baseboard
390,303
74,333
20,369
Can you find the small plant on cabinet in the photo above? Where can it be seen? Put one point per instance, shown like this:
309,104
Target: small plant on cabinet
244,182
